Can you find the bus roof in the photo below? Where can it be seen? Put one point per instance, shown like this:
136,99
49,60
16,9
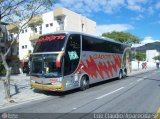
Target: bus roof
73,32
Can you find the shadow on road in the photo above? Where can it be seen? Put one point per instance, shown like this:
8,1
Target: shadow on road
52,93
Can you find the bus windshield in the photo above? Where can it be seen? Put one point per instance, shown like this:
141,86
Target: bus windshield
45,65
50,43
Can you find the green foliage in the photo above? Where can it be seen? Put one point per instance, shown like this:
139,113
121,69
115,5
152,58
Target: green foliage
140,56
157,57
133,56
2,70
122,37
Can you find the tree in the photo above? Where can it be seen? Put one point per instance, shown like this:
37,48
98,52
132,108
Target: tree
140,56
19,13
122,37
157,57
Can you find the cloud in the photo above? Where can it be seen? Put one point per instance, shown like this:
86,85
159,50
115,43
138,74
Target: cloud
157,5
113,27
136,5
88,6
139,17
112,5
151,10
147,39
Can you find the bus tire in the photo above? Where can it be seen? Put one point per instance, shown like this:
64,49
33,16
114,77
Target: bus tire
84,84
120,75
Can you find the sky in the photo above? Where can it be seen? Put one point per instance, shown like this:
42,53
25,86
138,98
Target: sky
138,17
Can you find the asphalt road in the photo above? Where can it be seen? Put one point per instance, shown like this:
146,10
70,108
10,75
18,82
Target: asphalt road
136,94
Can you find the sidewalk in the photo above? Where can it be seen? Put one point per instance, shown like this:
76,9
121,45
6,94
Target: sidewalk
21,91
136,71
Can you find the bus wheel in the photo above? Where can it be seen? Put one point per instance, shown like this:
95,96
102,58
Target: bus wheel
120,74
84,84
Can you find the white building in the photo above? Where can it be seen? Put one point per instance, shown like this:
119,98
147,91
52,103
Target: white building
60,19
150,54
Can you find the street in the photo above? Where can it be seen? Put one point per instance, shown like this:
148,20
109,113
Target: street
134,94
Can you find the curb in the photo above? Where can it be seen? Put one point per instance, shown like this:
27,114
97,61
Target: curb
141,71
7,105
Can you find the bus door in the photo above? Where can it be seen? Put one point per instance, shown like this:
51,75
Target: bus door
71,60
127,61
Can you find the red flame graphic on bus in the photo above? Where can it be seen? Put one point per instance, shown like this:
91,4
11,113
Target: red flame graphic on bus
94,69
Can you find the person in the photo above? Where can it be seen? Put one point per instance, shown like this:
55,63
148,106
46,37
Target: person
142,65
157,65
145,65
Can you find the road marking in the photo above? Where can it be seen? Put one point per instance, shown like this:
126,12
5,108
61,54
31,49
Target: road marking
109,93
145,77
140,80
157,115
74,108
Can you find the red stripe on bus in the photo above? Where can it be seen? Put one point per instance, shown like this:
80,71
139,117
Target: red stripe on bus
93,69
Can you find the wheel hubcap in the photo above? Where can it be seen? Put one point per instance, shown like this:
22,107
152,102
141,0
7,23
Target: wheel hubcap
84,82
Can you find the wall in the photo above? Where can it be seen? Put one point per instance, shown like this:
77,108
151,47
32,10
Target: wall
150,54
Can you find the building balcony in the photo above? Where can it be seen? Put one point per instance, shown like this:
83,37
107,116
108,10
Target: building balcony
59,12
13,27
36,20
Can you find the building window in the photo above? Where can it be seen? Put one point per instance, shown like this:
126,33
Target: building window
29,51
25,46
82,27
47,25
11,36
40,28
25,30
22,31
17,50
51,24
2,49
22,46
35,30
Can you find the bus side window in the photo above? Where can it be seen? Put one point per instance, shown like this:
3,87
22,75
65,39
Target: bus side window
72,54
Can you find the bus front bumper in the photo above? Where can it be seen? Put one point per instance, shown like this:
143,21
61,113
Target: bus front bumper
55,87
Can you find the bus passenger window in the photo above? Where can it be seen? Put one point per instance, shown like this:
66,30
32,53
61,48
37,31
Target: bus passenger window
72,54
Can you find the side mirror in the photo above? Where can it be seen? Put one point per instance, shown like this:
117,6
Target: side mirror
59,60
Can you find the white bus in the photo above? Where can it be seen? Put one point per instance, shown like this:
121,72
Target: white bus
68,60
